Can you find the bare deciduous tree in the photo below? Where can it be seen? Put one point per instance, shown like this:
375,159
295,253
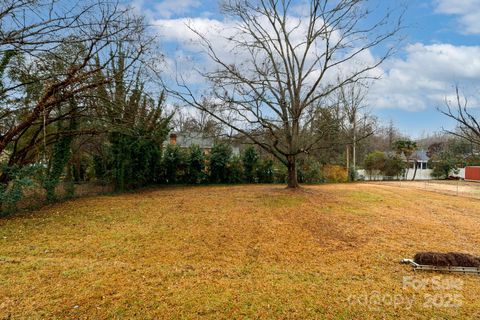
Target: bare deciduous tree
358,124
468,123
62,47
290,59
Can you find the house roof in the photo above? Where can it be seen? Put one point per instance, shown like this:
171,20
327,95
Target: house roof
420,155
188,139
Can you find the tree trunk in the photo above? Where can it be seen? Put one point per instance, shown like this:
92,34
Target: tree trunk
292,173
354,160
348,158
405,175
415,171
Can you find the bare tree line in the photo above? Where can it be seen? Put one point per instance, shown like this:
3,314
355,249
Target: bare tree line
468,124
51,55
299,75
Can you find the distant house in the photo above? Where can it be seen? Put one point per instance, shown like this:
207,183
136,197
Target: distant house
188,139
421,158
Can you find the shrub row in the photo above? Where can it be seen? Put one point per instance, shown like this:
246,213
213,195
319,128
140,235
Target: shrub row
220,165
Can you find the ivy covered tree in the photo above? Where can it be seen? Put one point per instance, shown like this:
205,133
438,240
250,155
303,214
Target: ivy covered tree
136,128
4,62
47,57
61,154
39,141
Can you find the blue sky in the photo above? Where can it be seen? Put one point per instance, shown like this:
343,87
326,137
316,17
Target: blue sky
441,48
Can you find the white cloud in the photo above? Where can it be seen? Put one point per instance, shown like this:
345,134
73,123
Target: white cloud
422,79
426,77
169,8
467,11
190,55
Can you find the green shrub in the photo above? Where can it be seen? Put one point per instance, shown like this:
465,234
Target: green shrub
265,171
219,161
309,171
196,165
136,160
19,179
389,166
280,173
250,161
235,169
374,163
443,164
394,166
173,163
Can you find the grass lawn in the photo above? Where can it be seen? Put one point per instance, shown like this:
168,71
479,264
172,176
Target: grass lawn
240,252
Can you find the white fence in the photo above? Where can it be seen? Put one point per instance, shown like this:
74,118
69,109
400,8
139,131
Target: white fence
456,187
422,174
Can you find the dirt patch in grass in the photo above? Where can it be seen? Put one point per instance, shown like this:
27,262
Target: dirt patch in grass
237,252
449,259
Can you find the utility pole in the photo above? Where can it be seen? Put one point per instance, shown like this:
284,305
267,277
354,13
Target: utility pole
348,158
354,160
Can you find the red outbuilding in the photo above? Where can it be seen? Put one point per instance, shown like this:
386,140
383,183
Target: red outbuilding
472,173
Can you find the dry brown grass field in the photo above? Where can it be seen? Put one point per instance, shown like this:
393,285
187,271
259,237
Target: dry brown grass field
240,252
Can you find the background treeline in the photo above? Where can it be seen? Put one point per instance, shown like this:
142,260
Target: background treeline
82,103
82,106
449,154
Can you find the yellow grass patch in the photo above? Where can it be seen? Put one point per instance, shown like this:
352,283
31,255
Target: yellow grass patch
239,252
